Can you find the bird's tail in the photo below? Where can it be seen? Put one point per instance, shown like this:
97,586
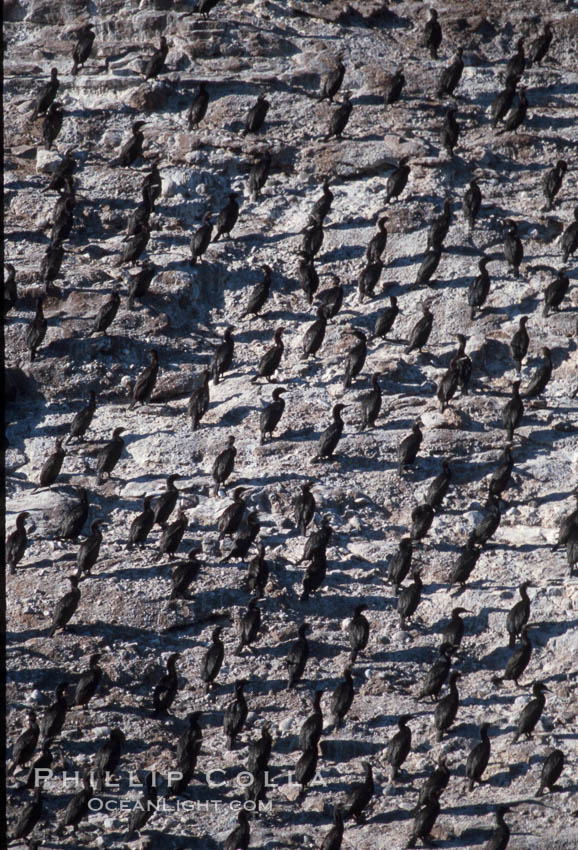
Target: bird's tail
74,70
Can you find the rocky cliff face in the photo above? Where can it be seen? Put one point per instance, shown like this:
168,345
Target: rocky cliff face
284,49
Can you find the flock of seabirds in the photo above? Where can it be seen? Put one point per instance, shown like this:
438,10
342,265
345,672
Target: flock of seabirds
33,749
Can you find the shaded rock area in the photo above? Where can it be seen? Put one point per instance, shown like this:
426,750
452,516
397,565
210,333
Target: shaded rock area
284,49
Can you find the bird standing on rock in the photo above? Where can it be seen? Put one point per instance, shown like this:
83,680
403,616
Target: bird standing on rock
256,115
270,361
432,34
331,436
65,607
156,63
146,381
166,690
409,447
271,415
332,81
355,357
83,47
223,465
109,455
171,537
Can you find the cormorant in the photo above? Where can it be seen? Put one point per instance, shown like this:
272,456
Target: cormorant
139,283
398,748
65,608
227,217
519,659
42,763
171,537
517,115
240,837
146,381
502,103
421,330
156,63
428,267
199,400
317,541
500,837
270,361
540,46
516,64
311,730
409,447
552,181
424,820
25,743
189,742
331,436
532,712
368,279
107,312
439,486
355,357
358,631
29,817
61,173
249,624
322,205
308,277
83,47
438,673
451,76
454,631
257,568
184,573
135,246
422,517
271,414
213,659
10,288
332,298
332,80
256,115
51,263
297,657
36,331
334,837
260,751
448,385
541,376
141,525
568,526
52,465
75,517
201,238
513,411
89,681
223,355
52,124
371,403
145,807
394,87
385,319
139,216
432,34
259,174
409,598
439,228
152,186
397,180
501,475
360,795
479,288
89,549
109,455
447,707
55,715
551,770
241,545
63,219
230,520
259,295
305,768
203,8
223,465
400,563
464,365
569,240
465,564
487,526
304,507
47,95
312,240
314,574
478,758
434,785
450,131
107,758
315,334
378,242
198,107
340,117
166,689
471,203
132,149
235,715
77,808
555,292
342,698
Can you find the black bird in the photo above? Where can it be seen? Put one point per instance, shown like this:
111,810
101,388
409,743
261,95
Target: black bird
260,751
312,240
555,292
52,124
135,246
448,385
47,95
62,173
83,47
479,288
360,795
189,742
517,115
74,518
371,403
569,240
422,517
541,376
63,219
409,447
146,381
184,573
308,277
500,837
513,411
10,288
55,715
314,574
240,837
132,149
171,537
551,770
502,473
140,282
223,355
65,607
42,763
465,565
77,809
235,714
438,673
317,541
385,319
271,414
471,203
488,524
428,267
306,768
257,569
270,361
213,659
145,807
223,465
439,227
516,64
139,216
540,46
464,365
355,357
29,817
531,712
434,785
447,707
141,525
398,748
572,551
332,298
230,520
340,118
203,8
16,542
227,217
201,238
164,505
259,295
107,758
315,334
36,331
51,263
52,465
88,683
152,186
439,486
83,418
297,657
358,631
256,115
397,180
450,131
89,549
331,436
369,278
502,102
568,526
409,598
454,631
241,546
311,730
25,743
394,87
332,81
304,507
451,76
156,63
432,34
259,174
334,838
342,698
421,330
166,689
109,455
478,758
424,820
107,312
249,624
322,205
400,563
378,242
519,659
198,107
199,400
552,181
